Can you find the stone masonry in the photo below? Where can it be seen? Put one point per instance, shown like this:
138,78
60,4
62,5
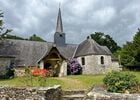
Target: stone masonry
42,93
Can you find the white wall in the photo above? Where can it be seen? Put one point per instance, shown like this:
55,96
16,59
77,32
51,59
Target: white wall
93,64
115,65
41,64
63,69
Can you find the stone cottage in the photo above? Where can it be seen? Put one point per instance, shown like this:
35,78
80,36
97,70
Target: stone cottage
54,55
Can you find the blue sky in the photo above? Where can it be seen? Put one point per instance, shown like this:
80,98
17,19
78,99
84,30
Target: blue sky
118,18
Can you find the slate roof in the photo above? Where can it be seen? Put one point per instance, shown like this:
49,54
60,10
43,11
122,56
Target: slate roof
68,50
26,52
7,49
30,52
89,46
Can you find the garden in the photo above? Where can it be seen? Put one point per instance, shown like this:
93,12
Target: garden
113,81
124,81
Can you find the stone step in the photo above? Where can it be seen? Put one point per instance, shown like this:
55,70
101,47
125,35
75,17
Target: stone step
73,97
73,92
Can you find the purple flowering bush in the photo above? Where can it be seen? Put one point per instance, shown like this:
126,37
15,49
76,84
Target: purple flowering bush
74,68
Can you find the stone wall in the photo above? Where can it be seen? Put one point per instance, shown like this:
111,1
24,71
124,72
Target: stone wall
63,69
4,62
20,71
42,93
93,64
115,65
99,93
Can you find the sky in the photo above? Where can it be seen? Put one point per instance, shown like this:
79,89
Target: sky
118,18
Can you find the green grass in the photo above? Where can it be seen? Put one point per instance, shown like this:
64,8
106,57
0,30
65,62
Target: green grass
26,81
67,82
88,80
136,73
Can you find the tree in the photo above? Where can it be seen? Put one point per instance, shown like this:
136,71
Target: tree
106,40
136,43
130,53
1,21
9,36
3,31
126,54
34,37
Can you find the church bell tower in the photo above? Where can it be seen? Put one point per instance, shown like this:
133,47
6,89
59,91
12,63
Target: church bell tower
59,36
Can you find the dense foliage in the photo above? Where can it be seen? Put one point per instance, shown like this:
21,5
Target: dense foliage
34,37
121,82
74,67
10,73
105,40
7,72
130,53
9,36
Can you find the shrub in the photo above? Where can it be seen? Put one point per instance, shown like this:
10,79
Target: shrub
40,72
28,80
74,67
121,82
10,73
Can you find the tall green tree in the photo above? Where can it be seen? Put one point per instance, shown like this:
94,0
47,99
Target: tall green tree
130,53
34,37
136,45
106,40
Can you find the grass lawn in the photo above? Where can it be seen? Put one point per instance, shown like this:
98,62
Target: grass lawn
137,74
67,82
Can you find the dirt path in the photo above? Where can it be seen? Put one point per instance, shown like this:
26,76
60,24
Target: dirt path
71,83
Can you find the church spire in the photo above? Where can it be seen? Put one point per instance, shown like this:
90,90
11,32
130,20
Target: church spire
59,36
59,26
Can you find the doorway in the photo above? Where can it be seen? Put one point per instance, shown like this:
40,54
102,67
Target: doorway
53,63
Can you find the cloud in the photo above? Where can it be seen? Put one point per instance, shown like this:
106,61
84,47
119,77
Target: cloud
104,16
120,19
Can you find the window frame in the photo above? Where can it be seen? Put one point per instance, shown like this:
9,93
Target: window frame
83,60
102,61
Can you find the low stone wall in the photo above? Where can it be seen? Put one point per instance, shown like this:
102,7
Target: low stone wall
98,93
42,93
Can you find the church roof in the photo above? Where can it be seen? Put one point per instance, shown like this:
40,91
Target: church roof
27,52
7,49
65,51
30,52
89,46
68,50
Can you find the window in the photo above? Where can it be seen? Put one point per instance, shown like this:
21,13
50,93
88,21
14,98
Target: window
61,35
102,60
83,60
